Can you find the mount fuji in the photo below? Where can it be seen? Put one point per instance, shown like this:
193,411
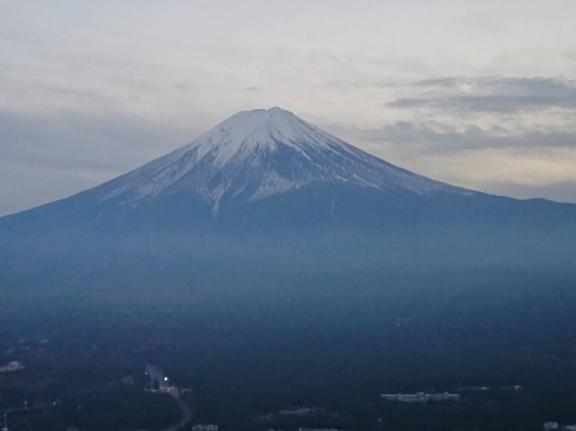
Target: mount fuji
259,154
267,187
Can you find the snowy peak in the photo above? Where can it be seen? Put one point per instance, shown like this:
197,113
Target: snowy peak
260,153
256,130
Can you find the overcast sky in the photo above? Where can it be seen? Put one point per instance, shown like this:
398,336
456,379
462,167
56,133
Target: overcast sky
479,94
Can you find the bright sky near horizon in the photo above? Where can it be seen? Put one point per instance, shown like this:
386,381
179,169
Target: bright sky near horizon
478,94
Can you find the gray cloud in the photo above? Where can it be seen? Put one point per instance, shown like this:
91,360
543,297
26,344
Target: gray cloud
46,157
520,162
491,94
408,137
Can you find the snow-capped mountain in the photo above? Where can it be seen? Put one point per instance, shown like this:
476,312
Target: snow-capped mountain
268,167
267,191
257,154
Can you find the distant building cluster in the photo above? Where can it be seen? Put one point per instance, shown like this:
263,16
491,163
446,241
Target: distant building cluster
421,397
506,388
203,427
301,411
555,426
158,381
11,367
317,429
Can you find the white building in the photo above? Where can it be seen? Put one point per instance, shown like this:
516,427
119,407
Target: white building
12,366
421,397
317,429
202,427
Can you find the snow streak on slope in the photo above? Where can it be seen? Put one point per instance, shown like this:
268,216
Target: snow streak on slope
261,153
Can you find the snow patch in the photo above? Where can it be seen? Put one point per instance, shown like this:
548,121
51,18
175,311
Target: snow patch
260,153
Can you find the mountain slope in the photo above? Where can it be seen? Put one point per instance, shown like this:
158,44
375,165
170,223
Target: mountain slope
266,186
257,154
269,163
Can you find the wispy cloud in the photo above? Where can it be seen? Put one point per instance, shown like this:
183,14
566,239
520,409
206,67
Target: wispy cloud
408,137
491,94
48,156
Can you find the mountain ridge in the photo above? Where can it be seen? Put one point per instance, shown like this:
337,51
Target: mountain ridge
265,163
279,194
259,153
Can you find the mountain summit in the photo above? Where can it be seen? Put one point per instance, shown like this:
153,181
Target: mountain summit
261,153
267,191
268,167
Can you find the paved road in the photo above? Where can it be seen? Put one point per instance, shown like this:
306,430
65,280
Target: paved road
156,374
186,414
